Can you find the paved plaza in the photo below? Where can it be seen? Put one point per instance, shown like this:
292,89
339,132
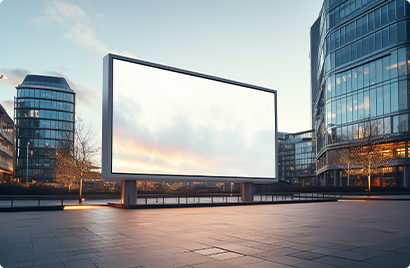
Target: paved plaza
331,234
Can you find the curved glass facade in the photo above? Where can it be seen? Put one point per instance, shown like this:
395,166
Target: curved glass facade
44,117
363,74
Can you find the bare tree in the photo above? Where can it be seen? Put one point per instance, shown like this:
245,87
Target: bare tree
76,155
145,186
368,153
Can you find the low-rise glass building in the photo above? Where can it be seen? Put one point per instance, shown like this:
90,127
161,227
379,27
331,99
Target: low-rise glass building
44,118
297,159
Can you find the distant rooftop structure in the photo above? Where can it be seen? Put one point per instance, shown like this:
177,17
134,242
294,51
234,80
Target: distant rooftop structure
46,82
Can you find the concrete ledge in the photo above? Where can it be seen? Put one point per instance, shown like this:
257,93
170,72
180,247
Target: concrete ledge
41,208
151,206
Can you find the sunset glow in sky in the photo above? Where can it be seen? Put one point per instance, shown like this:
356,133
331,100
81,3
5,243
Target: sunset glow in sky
264,43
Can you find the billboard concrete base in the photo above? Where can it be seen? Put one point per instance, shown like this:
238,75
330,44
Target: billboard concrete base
247,191
129,192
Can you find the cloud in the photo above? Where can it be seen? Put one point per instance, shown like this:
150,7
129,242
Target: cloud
84,95
180,148
77,25
9,106
84,35
14,76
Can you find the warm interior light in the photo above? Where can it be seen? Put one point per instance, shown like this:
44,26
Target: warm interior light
3,77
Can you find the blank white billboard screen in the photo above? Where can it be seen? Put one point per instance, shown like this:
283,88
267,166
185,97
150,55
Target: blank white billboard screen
171,123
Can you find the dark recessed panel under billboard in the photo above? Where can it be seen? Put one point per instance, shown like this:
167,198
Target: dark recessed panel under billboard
162,123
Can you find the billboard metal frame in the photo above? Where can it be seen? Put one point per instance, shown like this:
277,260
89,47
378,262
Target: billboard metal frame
107,128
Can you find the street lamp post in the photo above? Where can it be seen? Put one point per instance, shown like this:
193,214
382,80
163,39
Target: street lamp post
28,143
81,187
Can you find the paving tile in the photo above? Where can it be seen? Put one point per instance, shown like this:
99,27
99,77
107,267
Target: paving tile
46,261
214,264
123,263
390,245
15,258
338,261
314,264
51,265
386,262
276,253
243,261
79,263
265,264
209,251
306,255
86,256
18,264
287,260
225,256
192,258
241,249
404,250
294,235
67,258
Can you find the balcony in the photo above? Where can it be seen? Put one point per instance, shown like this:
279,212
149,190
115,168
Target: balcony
5,166
5,150
6,135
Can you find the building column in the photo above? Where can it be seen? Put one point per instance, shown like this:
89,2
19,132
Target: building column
334,177
246,191
129,192
406,176
324,181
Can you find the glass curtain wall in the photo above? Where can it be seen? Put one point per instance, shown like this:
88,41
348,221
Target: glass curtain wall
363,77
44,117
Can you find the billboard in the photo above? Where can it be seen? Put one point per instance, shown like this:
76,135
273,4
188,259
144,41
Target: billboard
162,123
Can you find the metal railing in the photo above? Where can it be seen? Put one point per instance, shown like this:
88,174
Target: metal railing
317,196
260,198
30,201
186,199
12,201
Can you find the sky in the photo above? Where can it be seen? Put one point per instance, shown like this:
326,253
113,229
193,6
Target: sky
211,128
265,43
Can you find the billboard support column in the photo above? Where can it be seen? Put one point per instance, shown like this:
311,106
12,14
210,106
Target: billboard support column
246,191
129,192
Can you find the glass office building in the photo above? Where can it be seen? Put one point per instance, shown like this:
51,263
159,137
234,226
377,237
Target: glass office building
296,163
44,117
361,76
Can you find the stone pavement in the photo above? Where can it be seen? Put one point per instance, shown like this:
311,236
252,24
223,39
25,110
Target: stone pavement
334,234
